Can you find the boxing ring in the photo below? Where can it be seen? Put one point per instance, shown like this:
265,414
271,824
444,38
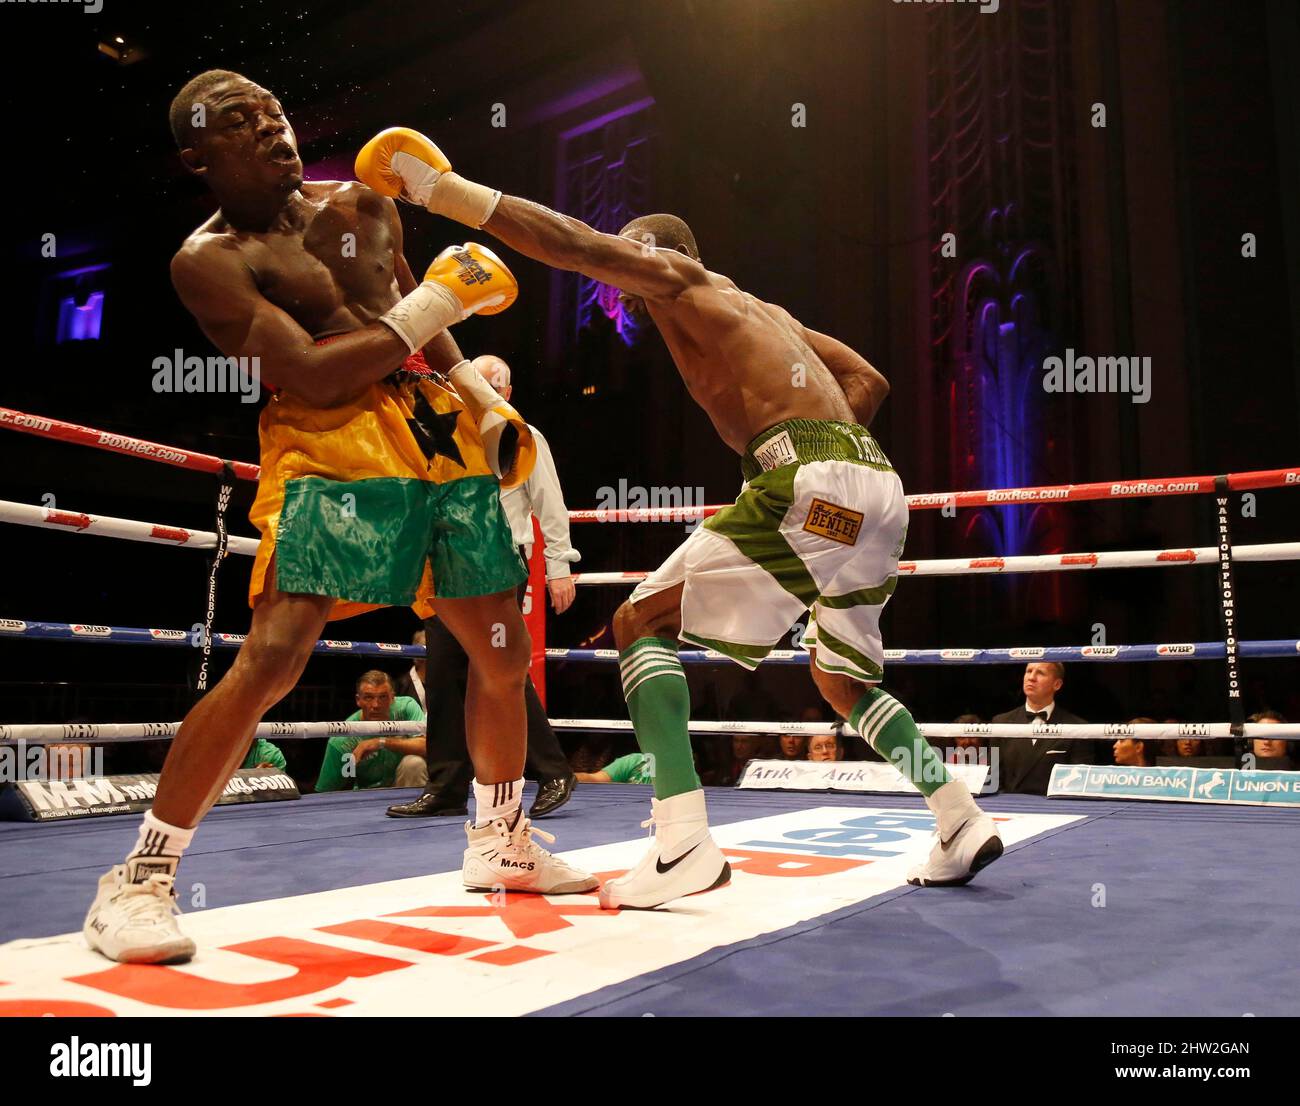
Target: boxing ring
1099,907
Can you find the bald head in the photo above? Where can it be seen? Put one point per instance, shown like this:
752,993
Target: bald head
495,371
665,232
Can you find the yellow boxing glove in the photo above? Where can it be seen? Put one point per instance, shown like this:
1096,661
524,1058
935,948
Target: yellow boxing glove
403,164
462,281
508,443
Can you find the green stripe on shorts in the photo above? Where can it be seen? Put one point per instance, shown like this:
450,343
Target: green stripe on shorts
862,666
753,525
863,597
748,655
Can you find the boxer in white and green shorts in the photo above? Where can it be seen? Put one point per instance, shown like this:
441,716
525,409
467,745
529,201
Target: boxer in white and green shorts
819,524
819,527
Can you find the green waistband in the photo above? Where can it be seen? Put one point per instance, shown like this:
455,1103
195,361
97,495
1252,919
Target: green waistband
799,441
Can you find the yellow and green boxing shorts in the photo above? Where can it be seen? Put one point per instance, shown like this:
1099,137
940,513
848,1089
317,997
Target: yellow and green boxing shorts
386,500
819,527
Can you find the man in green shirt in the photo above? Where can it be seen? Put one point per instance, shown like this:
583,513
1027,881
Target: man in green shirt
262,754
358,762
633,768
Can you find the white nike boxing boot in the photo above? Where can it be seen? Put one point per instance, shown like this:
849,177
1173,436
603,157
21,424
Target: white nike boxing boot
135,923
501,857
968,839
684,860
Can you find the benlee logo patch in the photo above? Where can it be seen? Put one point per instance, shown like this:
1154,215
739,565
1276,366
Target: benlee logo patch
828,520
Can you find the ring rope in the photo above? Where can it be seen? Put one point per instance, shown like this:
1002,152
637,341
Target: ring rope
58,430
111,732
1046,562
114,732
28,514
1019,654
1086,731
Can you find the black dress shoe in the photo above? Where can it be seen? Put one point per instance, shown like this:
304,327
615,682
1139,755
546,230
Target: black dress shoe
431,804
551,795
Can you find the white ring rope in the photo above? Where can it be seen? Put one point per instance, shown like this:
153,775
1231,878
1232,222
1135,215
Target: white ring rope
109,732
27,514
1045,562
1080,732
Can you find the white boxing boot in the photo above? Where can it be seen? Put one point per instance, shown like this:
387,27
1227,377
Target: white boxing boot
684,860
500,857
135,923
968,839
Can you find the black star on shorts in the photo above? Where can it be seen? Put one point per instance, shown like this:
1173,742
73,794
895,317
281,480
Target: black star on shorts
434,432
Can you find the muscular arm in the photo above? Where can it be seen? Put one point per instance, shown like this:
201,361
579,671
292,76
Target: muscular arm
564,243
863,386
218,289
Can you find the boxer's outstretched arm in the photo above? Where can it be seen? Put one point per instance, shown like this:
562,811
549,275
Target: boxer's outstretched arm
566,243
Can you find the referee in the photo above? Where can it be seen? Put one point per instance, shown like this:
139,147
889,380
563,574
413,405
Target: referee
447,754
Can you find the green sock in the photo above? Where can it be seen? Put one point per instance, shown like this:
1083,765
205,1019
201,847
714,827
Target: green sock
890,730
659,704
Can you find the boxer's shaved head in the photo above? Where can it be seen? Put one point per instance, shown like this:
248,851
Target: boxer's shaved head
181,113
668,232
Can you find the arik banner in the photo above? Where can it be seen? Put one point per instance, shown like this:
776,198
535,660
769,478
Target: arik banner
848,775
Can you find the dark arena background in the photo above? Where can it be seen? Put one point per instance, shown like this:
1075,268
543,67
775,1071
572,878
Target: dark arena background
967,194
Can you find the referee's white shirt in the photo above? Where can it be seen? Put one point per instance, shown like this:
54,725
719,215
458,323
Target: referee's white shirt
540,495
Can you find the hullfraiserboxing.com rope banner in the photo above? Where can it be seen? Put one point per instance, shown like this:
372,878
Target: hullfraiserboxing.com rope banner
226,489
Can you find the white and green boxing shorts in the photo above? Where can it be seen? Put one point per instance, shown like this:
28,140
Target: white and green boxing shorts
819,526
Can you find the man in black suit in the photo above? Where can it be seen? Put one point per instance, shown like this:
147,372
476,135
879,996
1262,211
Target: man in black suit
1025,764
411,682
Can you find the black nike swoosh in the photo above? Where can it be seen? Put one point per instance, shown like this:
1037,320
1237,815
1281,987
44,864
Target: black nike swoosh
661,867
952,836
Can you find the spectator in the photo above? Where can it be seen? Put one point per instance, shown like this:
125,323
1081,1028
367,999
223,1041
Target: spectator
966,748
263,754
590,755
633,768
411,682
824,746
375,761
66,761
794,746
1131,752
1025,764
744,748
448,773
1272,753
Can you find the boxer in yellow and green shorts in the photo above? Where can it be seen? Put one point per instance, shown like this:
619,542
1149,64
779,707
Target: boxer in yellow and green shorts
374,500
368,478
